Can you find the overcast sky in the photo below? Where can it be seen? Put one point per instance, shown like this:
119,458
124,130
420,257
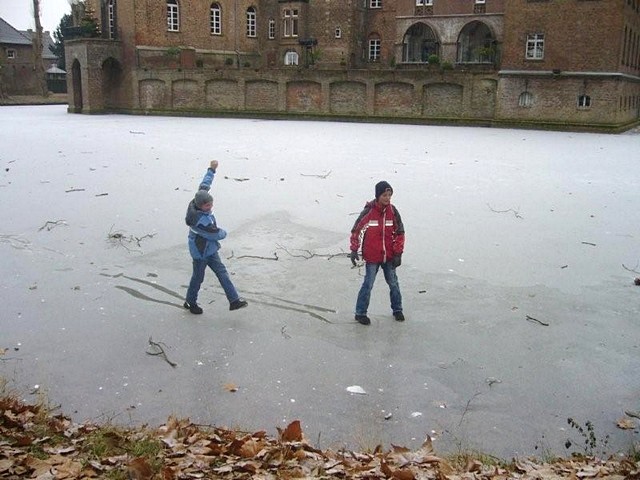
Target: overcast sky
19,13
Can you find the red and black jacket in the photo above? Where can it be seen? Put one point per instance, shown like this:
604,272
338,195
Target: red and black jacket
381,231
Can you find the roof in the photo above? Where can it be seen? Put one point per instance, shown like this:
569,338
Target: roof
10,35
54,69
47,41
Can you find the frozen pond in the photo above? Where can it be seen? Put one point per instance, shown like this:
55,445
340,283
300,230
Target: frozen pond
520,303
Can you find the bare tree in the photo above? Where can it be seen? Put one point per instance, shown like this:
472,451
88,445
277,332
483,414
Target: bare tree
37,50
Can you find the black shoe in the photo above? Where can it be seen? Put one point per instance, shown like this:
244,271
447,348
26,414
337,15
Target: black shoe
363,319
193,308
237,304
399,316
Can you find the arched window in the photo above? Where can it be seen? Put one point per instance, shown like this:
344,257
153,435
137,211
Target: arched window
419,43
251,22
525,100
173,16
476,44
111,19
291,58
216,19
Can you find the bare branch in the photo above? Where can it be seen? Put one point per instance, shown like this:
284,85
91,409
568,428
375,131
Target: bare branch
634,269
317,176
515,212
307,254
466,408
275,256
50,225
157,349
535,320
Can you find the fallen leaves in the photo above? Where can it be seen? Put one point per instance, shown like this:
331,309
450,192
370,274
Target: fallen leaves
35,444
626,423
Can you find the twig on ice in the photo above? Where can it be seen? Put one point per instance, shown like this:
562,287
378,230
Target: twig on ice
317,176
535,320
515,212
634,269
51,225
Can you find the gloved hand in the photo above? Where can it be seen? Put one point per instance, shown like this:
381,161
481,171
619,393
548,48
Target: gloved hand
396,261
354,258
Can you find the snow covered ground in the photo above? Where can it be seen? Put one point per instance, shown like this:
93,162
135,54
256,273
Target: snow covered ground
520,311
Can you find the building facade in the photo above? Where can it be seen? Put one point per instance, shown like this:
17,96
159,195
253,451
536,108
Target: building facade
546,63
17,71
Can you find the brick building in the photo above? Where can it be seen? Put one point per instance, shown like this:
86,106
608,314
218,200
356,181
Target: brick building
551,63
17,71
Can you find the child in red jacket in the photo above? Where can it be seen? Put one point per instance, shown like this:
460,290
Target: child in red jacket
381,231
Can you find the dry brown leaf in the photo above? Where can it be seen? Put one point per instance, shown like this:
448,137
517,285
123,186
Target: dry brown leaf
293,432
230,387
139,469
626,423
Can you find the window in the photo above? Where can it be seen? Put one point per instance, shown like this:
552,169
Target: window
216,19
173,16
375,3
374,49
480,2
251,22
272,29
11,53
426,3
584,101
111,18
535,46
525,100
291,58
338,32
290,22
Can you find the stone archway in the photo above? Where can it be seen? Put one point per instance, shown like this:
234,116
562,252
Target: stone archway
111,82
419,43
76,83
476,44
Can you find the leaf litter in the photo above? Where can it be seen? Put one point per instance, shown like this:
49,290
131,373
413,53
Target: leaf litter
34,443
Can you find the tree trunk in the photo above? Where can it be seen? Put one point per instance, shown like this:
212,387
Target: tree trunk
37,51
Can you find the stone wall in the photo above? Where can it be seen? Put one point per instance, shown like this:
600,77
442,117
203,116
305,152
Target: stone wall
385,94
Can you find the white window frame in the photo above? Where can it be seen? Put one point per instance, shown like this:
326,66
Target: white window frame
535,46
173,16
111,18
291,58
584,102
374,49
480,2
290,22
426,3
11,54
338,32
215,19
271,33
375,3
251,22
525,100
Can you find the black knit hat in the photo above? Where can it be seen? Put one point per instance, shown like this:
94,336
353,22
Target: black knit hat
382,187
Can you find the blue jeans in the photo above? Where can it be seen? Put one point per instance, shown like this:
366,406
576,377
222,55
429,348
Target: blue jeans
371,270
215,264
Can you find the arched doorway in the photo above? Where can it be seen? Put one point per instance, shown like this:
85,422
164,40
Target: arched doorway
476,44
419,43
76,82
111,82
